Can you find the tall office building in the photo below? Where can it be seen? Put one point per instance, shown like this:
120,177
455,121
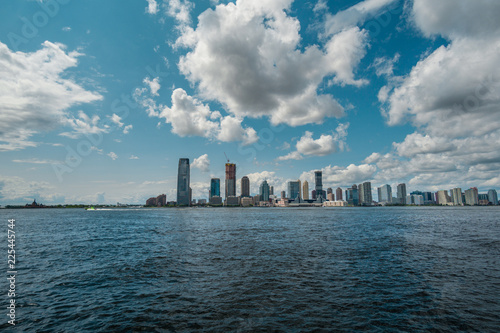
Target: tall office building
230,180
338,194
385,193
456,196
401,193
493,197
183,189
443,198
329,190
271,190
214,188
294,190
264,191
318,178
366,194
283,194
245,187
472,197
305,190
352,195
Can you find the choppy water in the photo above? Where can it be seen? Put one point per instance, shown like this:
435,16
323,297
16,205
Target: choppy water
246,270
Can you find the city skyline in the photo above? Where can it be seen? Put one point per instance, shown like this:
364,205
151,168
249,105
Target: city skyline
97,108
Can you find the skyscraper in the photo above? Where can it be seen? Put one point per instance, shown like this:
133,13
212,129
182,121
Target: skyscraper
384,193
245,187
271,190
472,196
366,194
456,196
493,197
318,177
264,191
338,194
402,193
183,189
305,190
294,190
214,188
230,180
352,195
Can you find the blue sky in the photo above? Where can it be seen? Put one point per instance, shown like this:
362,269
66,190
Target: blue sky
99,99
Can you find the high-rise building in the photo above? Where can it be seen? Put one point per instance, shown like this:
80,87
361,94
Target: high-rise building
161,200
384,193
183,189
329,190
443,198
264,191
366,194
313,194
283,194
294,190
493,197
428,198
245,187
305,190
230,180
214,187
456,196
330,196
318,177
271,190
352,195
401,194
338,194
471,197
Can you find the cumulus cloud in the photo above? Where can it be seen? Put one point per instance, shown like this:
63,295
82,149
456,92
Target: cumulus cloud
154,85
355,15
35,93
202,163
180,10
325,145
113,156
152,7
133,157
334,176
83,125
248,56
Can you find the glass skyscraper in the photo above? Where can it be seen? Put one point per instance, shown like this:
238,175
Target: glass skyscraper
245,187
183,197
385,193
264,191
294,190
214,187
318,178
401,193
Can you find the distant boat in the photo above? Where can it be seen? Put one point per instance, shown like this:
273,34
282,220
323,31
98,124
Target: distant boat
90,208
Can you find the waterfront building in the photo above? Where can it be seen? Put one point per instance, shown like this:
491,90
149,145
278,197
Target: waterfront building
385,193
183,189
264,191
483,199
151,202
214,187
352,195
271,190
401,193
456,196
245,187
493,197
428,198
338,194
230,180
161,200
232,201
305,190
246,201
294,190
313,194
329,190
443,198
202,202
338,203
366,194
318,178
283,194
330,196
471,197
415,199
256,199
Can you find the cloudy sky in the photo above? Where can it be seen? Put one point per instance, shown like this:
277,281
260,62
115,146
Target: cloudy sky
99,99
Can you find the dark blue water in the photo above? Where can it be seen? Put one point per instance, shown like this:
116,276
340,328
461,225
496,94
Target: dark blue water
245,270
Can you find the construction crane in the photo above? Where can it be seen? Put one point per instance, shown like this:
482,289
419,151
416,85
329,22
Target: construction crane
226,157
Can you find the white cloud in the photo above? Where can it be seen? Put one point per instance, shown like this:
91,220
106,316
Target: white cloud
133,157
202,163
355,15
116,119
17,189
248,56
113,156
127,129
34,93
257,178
180,10
190,117
83,125
152,7
417,143
325,145
37,161
334,176
66,29
154,85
